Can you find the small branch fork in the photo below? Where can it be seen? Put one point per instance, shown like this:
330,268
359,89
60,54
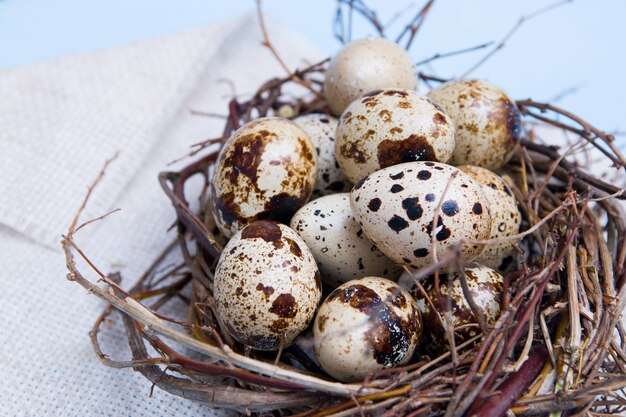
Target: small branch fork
514,29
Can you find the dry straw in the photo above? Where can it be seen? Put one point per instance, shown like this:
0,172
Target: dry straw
558,347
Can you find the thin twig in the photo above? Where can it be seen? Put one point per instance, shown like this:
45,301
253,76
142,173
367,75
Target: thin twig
511,32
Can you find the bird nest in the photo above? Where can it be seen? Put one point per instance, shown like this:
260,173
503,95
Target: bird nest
558,346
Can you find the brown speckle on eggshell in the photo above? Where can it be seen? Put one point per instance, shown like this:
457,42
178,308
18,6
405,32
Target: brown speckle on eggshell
488,123
364,326
506,217
401,225
338,244
485,286
366,65
265,170
266,286
321,129
390,127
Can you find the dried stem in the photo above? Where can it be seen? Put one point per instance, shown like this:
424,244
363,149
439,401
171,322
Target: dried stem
515,28
414,25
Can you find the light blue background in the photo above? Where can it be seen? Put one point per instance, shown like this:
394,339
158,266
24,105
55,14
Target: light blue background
580,45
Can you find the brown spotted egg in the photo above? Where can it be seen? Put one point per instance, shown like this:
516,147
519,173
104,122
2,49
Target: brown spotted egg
485,286
321,129
338,244
488,123
265,170
506,217
365,326
389,127
396,208
266,286
365,65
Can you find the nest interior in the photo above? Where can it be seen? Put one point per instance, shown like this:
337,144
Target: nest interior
558,346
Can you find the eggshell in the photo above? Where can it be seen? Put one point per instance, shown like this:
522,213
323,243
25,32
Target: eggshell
389,127
266,286
364,326
338,244
321,129
396,207
488,123
365,65
265,170
485,286
506,217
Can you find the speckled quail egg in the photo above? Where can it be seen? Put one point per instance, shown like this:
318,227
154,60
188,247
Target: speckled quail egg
265,170
485,286
365,65
321,129
396,208
338,244
266,286
364,326
505,217
389,127
488,123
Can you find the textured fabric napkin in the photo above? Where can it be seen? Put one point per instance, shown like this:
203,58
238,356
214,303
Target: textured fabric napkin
60,121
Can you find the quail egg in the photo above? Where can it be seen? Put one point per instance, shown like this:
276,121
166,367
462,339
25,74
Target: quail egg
485,286
488,123
365,65
396,208
365,326
266,286
321,129
506,218
389,127
338,244
265,170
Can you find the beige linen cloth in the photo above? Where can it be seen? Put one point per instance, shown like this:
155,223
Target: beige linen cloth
59,121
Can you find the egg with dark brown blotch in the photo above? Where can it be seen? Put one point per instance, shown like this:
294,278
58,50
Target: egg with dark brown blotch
485,286
321,129
266,286
390,127
265,170
365,65
506,217
365,326
488,123
342,251
396,208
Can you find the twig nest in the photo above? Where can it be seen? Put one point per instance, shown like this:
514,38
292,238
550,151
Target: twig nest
365,326
485,286
266,286
396,208
342,251
366,65
389,127
488,123
321,129
265,170
506,217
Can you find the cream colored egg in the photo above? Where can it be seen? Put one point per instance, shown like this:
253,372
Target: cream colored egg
389,127
266,286
365,65
321,129
265,170
488,123
338,244
485,286
396,208
365,326
506,217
